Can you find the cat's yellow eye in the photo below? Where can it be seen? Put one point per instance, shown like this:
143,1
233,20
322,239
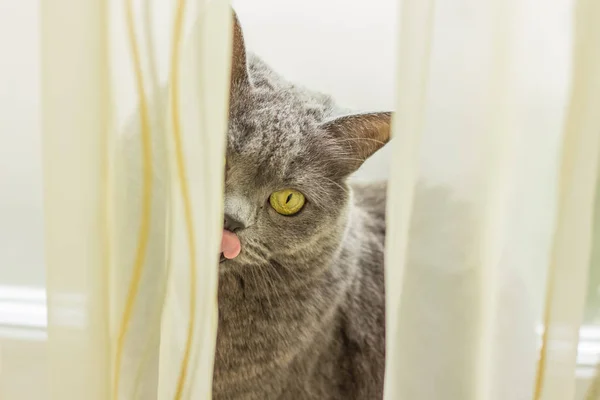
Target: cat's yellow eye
287,201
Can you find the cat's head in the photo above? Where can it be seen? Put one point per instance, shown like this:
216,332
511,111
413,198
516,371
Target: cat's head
287,163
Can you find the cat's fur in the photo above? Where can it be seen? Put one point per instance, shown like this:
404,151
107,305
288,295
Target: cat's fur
301,309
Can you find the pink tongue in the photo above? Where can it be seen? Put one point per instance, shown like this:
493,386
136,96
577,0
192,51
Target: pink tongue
230,244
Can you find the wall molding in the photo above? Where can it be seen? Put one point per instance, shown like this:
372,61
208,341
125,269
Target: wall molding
23,313
23,316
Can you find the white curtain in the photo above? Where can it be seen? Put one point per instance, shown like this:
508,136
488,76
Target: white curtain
481,253
133,210
475,264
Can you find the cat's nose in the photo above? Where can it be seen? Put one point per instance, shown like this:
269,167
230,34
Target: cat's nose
232,224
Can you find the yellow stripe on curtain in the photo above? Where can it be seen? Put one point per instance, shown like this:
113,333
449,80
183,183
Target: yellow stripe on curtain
147,175
203,111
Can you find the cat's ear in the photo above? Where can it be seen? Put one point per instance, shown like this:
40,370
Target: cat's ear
239,64
360,136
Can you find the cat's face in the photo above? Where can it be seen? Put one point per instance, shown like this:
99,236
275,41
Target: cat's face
276,142
283,140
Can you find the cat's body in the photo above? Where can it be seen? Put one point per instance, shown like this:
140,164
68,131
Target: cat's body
298,331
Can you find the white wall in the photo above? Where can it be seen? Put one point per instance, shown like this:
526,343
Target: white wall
21,252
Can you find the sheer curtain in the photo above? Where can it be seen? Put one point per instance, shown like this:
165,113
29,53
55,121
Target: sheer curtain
481,253
501,247
133,206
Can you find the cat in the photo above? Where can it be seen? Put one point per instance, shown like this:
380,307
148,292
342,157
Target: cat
301,297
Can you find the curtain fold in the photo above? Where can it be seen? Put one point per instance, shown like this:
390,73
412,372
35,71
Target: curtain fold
203,93
76,139
571,254
415,32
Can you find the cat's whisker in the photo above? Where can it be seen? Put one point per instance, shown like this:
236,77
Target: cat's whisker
280,278
253,276
254,258
299,278
266,283
272,283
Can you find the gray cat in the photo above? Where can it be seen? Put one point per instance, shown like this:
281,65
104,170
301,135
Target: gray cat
301,307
